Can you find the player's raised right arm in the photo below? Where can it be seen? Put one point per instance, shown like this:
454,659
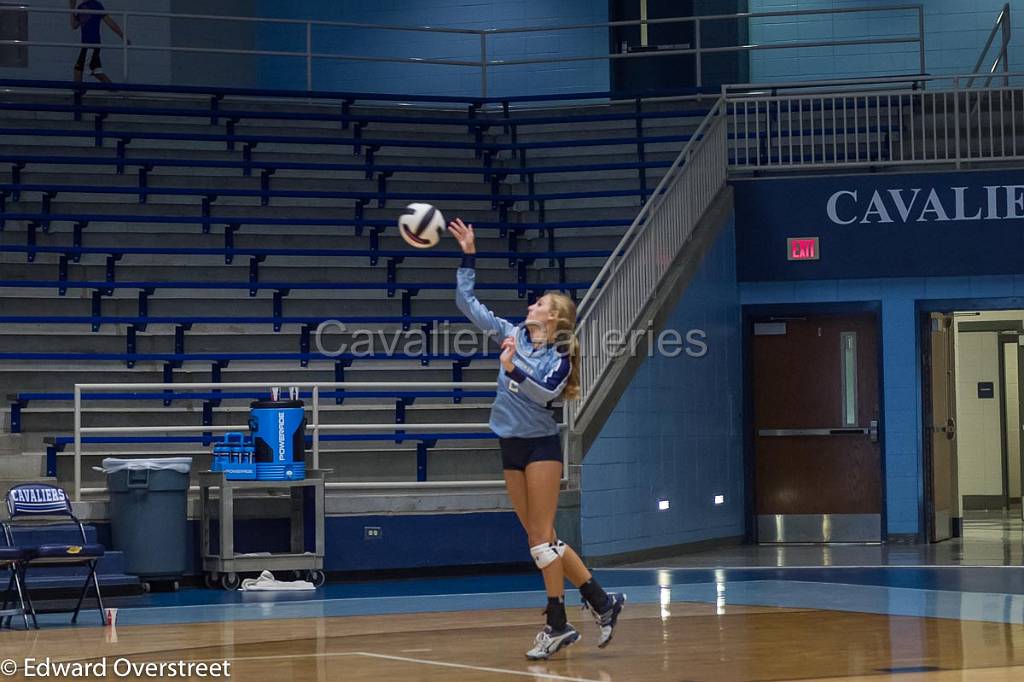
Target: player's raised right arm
465,298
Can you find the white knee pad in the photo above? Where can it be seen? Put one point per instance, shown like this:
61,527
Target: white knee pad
546,553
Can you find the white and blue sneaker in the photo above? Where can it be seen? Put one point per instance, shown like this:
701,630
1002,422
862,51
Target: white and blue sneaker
548,642
607,619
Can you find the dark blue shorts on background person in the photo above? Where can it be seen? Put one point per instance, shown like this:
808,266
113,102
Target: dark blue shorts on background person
516,453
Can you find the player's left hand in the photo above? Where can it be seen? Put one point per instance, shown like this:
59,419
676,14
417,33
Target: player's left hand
508,351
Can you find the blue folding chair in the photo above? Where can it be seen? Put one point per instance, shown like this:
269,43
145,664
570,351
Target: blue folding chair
11,559
35,505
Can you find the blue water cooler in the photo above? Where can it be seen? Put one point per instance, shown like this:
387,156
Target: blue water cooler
279,436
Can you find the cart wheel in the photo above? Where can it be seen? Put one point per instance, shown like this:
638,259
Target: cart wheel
146,587
230,581
317,578
210,580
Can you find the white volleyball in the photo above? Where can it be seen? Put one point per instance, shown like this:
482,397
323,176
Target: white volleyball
421,225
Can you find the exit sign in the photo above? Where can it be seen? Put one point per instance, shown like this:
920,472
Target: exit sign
802,248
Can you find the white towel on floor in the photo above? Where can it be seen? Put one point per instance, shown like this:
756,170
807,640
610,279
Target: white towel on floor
267,583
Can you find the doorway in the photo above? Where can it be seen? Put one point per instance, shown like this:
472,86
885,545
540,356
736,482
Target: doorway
973,421
817,454
637,70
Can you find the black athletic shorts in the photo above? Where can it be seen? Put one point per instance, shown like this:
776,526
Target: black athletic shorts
94,63
516,453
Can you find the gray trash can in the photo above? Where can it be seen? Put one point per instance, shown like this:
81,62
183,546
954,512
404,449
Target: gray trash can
149,515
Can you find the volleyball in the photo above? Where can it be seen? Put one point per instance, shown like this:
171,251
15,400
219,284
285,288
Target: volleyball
421,225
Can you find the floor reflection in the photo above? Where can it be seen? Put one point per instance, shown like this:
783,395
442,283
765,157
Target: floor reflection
989,539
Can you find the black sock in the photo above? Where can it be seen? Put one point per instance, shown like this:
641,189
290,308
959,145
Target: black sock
595,595
556,613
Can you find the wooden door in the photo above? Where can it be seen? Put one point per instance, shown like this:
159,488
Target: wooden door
818,460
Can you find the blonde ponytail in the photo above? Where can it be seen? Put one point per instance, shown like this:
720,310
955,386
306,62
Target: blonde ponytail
566,341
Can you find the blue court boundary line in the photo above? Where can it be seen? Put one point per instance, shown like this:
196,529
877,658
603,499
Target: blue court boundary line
891,601
882,599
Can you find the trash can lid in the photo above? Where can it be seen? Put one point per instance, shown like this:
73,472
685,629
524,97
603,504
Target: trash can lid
112,465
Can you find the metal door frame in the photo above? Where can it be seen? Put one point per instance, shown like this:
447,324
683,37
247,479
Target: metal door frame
927,518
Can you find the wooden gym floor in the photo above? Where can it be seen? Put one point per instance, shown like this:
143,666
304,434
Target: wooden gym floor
679,626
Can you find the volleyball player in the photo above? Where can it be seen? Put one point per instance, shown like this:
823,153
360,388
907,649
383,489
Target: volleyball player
539,364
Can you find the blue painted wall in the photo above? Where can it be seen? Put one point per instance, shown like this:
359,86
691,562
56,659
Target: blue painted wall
854,258
676,433
289,72
955,33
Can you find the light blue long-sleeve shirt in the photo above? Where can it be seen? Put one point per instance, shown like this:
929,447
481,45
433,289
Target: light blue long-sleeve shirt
520,408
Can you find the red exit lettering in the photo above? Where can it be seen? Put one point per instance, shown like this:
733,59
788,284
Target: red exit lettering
802,248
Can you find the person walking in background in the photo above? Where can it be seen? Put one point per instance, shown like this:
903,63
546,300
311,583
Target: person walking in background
90,25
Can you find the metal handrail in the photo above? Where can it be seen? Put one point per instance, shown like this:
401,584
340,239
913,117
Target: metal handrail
484,63
315,426
1002,25
613,263
688,189
773,88
704,17
853,123
849,86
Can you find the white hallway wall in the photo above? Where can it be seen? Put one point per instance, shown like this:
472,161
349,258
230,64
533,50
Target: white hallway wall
979,440
979,449
1012,418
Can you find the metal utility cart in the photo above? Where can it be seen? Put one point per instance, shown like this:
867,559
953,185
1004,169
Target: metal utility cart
223,569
